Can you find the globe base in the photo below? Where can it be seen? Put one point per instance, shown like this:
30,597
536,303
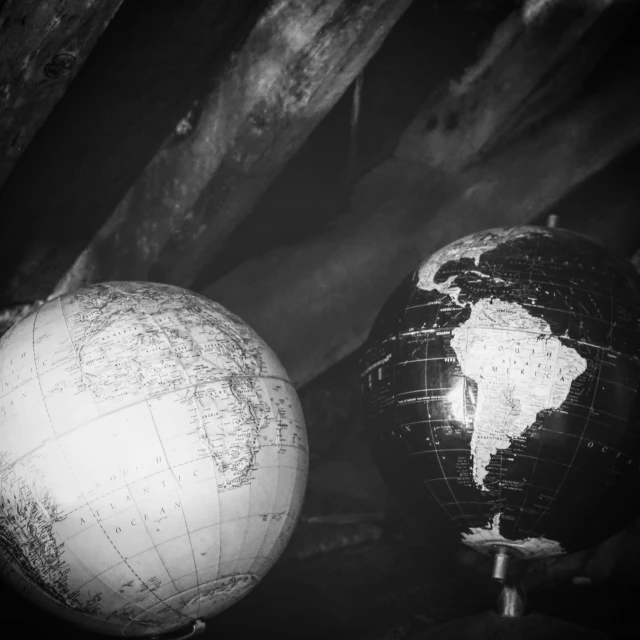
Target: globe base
510,620
490,625
511,601
501,564
512,598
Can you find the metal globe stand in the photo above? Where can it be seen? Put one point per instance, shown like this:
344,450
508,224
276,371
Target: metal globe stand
510,620
512,599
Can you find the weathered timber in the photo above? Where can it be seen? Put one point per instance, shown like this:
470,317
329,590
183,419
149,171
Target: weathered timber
527,70
43,44
149,66
537,10
431,43
314,304
292,69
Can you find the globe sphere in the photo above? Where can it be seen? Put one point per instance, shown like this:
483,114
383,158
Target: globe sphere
153,458
500,386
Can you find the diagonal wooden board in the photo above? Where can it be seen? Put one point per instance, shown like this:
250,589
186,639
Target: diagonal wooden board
293,67
43,45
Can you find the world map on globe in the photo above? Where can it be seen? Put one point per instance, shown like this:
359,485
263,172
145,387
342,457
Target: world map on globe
500,382
153,457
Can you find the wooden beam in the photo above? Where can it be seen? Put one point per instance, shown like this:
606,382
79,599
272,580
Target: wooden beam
525,73
148,68
315,304
208,175
43,44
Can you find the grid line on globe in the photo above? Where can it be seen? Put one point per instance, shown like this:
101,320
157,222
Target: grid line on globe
153,457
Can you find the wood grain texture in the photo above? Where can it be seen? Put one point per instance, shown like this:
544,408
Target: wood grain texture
154,60
293,67
43,44
525,72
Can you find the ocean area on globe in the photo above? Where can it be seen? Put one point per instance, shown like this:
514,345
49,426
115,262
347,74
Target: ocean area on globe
153,458
500,386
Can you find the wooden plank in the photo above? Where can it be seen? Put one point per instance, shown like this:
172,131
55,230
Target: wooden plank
315,304
524,74
155,59
292,69
43,44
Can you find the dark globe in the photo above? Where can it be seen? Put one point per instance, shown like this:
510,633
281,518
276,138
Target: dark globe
500,385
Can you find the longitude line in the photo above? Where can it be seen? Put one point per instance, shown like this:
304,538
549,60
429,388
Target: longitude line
188,379
142,582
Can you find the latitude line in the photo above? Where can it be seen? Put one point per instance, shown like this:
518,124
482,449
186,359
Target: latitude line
207,526
220,378
178,593
58,436
534,306
155,473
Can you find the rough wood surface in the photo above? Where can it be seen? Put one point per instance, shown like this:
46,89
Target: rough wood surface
155,59
43,44
525,72
401,213
294,66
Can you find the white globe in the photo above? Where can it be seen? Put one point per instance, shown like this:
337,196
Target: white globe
153,458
